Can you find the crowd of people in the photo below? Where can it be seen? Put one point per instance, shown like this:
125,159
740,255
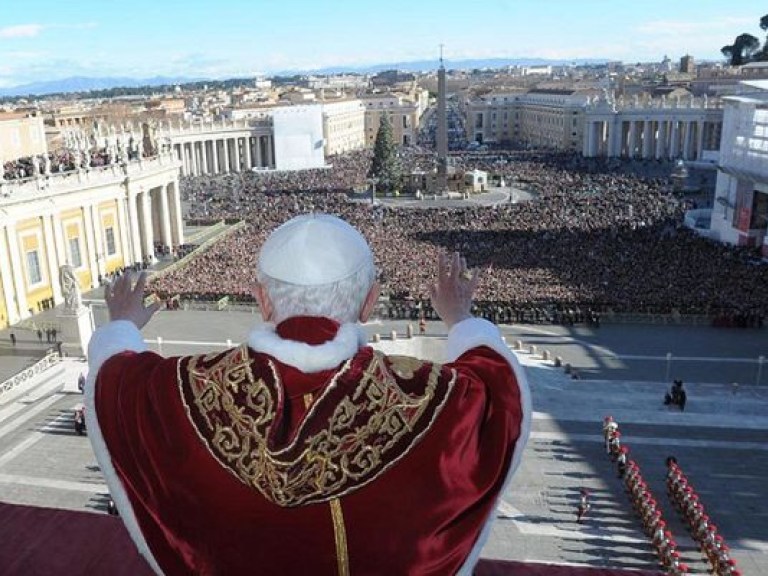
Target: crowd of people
601,236
62,160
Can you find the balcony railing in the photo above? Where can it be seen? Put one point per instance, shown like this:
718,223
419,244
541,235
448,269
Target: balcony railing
42,186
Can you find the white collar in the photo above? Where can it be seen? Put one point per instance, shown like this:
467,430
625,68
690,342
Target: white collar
307,358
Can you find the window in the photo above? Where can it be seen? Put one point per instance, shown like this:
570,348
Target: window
33,267
74,252
109,235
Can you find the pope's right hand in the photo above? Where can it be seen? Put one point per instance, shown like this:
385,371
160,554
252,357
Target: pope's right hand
455,287
126,302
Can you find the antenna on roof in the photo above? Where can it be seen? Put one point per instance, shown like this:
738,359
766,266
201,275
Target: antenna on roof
441,54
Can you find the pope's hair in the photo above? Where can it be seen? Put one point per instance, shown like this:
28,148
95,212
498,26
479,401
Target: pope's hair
341,301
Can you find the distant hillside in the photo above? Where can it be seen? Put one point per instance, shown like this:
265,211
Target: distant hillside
85,84
470,64
81,84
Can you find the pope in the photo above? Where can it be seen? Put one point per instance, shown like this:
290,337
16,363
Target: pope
303,450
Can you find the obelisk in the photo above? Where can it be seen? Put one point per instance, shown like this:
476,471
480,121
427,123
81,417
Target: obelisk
442,130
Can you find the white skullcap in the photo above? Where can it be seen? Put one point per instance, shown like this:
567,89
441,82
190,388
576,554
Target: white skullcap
314,249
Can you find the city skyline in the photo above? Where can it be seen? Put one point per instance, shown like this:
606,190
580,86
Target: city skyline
172,38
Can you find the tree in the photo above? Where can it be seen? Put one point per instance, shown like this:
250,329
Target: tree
385,167
762,56
742,49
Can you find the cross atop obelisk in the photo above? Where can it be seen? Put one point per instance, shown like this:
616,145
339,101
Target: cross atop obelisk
442,129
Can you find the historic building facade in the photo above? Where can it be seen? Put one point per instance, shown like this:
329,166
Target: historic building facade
21,134
580,121
97,220
544,118
223,146
343,126
656,128
404,115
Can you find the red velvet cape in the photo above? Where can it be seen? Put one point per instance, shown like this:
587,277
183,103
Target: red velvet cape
170,429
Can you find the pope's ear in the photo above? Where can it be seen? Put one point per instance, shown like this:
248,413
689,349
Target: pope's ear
265,304
370,301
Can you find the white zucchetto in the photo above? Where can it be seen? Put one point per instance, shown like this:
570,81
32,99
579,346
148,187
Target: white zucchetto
314,249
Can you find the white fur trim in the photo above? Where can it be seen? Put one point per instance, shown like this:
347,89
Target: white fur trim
107,341
306,357
468,334
113,338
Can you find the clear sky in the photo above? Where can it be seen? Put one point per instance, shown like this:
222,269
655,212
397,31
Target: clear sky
46,39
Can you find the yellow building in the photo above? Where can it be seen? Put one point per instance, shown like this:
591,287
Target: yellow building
22,134
404,115
98,221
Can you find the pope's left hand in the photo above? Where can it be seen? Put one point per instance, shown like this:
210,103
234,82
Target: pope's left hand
126,302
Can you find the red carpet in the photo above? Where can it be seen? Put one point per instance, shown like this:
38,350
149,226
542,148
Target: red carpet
45,542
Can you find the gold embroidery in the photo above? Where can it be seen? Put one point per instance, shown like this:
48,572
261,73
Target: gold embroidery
340,535
405,366
354,431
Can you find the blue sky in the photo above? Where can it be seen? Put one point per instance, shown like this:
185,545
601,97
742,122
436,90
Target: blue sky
45,40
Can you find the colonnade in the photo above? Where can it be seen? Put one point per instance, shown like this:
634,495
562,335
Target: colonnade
153,219
209,154
658,138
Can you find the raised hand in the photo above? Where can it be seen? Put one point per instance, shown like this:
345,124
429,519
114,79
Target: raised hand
126,302
452,293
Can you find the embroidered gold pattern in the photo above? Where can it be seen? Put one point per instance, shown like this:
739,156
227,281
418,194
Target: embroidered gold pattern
340,535
355,430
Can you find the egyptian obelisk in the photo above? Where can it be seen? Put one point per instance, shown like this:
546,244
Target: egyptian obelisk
442,130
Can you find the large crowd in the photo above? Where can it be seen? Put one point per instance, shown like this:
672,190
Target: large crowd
600,236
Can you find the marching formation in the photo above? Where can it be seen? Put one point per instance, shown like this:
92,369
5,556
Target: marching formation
684,499
687,503
641,497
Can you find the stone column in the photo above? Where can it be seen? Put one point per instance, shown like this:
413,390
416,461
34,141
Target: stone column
674,148
92,246
237,157
123,232
191,158
614,137
258,151
699,139
204,153
6,277
248,157
687,140
195,159
58,238
184,159
215,156
51,257
647,139
165,217
179,150
270,152
133,217
177,225
632,142
660,137
149,237
226,156
17,271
